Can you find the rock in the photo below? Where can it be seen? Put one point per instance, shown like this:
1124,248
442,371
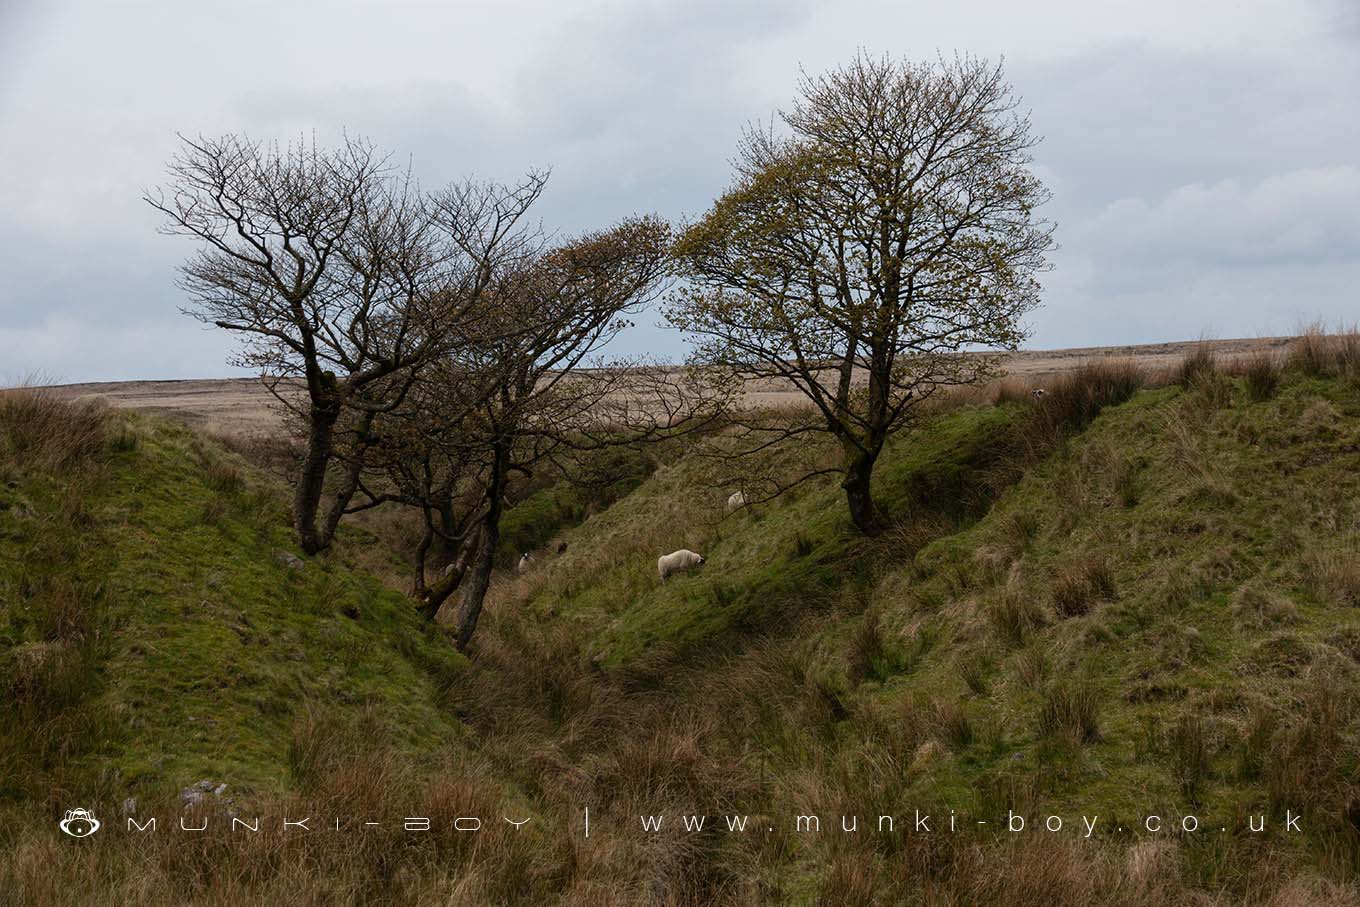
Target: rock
201,790
289,560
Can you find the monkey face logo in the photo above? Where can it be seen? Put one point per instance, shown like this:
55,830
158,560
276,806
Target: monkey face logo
79,823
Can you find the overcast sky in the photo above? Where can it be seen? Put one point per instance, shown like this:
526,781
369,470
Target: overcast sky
1204,155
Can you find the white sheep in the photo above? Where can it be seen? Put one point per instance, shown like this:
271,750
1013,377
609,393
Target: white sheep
525,560
737,500
677,561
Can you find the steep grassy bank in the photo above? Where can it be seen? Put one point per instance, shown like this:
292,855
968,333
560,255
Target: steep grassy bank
1109,603
150,582
1158,617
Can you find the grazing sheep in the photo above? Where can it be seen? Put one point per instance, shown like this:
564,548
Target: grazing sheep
677,561
525,560
737,500
1038,394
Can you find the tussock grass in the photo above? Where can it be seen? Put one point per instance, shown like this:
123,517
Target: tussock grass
1073,713
799,670
1190,748
1198,366
1031,666
1318,353
1256,608
1078,586
1334,575
40,430
1075,398
1014,614
1261,373
952,723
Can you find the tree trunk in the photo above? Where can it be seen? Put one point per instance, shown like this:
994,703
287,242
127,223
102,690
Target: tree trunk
446,546
350,481
859,467
419,589
312,480
435,596
475,593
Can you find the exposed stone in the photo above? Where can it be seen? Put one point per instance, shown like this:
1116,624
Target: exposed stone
289,560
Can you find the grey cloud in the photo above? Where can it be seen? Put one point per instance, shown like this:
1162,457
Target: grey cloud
1200,180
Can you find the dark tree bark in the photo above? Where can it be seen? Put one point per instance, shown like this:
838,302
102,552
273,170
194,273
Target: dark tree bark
474,596
311,481
446,538
859,468
433,598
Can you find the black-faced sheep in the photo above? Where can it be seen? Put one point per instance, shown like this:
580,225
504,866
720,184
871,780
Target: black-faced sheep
1038,394
677,561
525,560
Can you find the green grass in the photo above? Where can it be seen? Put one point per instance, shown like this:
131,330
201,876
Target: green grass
768,564
547,507
1147,602
1159,514
209,643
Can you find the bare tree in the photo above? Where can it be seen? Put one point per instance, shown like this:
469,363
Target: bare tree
425,454
861,255
340,277
575,297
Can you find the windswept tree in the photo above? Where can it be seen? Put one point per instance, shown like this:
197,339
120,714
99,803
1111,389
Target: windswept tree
573,298
426,454
341,278
520,394
884,232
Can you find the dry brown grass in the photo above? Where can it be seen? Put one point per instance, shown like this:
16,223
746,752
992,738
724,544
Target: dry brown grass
1198,365
665,736
1261,608
1261,372
1015,613
42,430
1318,353
952,724
1334,576
1077,587
1190,748
1304,766
1031,667
865,649
1074,399
1073,713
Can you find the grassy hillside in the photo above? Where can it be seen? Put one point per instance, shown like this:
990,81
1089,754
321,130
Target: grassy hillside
1115,602
1155,612
159,629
